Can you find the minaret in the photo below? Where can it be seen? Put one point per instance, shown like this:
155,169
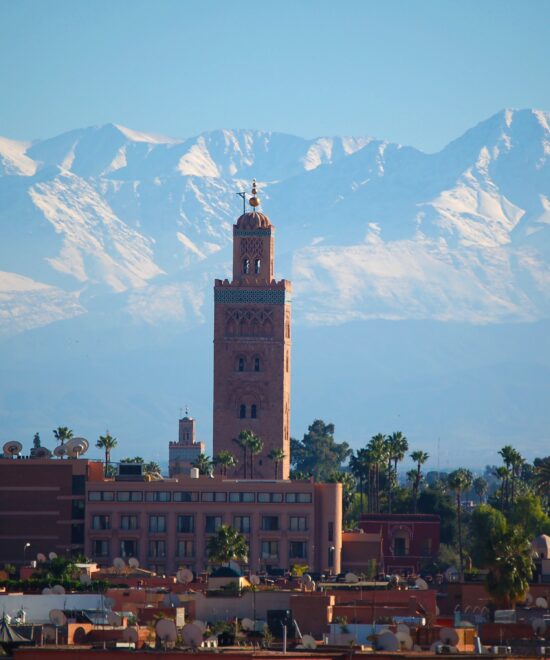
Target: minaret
252,349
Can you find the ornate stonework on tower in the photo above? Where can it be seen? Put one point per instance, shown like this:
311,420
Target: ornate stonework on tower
252,348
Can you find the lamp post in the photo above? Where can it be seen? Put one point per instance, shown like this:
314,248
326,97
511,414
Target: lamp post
27,545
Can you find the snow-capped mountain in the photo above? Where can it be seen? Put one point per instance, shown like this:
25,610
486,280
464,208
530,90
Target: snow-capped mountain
110,222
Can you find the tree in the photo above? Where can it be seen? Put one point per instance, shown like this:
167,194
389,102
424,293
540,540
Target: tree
480,488
527,513
204,464
277,456
460,481
243,441
62,434
486,526
106,442
228,545
510,568
513,461
255,447
36,441
359,464
542,475
378,452
225,460
151,468
397,446
503,474
318,453
419,457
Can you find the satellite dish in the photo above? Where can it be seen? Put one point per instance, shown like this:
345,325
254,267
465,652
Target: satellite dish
114,619
58,589
387,641
57,617
130,635
200,625
421,584
351,578
41,557
52,555
184,576
405,641
448,636
12,448
48,634
85,579
404,628
191,634
255,580
539,626
119,563
451,574
46,591
247,624
133,562
60,451
166,630
41,452
309,642
541,602
77,446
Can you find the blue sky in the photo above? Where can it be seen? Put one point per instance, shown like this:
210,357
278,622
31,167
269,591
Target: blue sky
415,72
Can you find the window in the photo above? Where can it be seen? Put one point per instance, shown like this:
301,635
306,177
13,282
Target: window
257,265
100,548
186,549
185,496
241,364
186,524
257,364
241,497
297,524
101,522
270,523
246,266
129,496
242,524
270,549
303,498
77,509
270,497
79,484
212,523
77,534
98,496
253,411
400,546
157,549
128,522
242,411
297,550
213,497
128,548
157,524
158,496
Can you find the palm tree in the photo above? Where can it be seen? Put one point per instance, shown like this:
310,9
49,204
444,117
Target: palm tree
480,488
419,457
377,448
255,446
460,481
62,434
360,464
203,464
513,461
503,474
277,456
228,545
106,442
244,441
151,468
397,445
225,460
542,475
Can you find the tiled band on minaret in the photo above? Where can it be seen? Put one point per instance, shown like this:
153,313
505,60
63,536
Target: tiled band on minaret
252,348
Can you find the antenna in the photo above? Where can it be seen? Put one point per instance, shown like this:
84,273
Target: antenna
308,642
247,624
448,636
12,448
119,564
41,557
60,451
114,619
130,635
184,576
541,602
58,618
405,641
76,447
192,635
52,556
58,589
133,562
166,630
242,194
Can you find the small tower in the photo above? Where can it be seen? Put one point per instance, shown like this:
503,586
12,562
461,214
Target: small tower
252,348
183,453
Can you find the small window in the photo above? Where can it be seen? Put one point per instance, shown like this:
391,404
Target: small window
257,266
269,549
128,548
242,524
270,523
241,497
304,498
101,522
297,550
157,549
241,364
246,266
128,522
186,524
185,496
253,411
186,549
209,496
257,364
157,524
212,524
242,411
297,524
100,548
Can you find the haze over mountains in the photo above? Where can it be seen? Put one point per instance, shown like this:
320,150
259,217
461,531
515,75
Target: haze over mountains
421,281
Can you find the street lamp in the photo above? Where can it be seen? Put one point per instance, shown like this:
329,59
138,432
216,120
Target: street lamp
27,545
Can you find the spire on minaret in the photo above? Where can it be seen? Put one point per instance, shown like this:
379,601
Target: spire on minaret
254,201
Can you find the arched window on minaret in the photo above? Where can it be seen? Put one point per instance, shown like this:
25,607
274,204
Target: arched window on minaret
242,411
256,364
257,265
240,364
246,266
253,411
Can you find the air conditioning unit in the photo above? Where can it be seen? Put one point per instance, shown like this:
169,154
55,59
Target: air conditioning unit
501,650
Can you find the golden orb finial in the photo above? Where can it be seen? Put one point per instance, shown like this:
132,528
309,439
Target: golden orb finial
254,201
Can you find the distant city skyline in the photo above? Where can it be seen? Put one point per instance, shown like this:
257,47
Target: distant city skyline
416,73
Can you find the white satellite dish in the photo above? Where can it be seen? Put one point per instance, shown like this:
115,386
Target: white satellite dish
404,628
255,580
387,641
421,584
130,635
114,619
46,591
12,448
40,557
85,579
309,642
201,625
539,626
451,574
166,630
77,446
192,635
351,578
184,576
247,624
405,641
57,617
133,562
119,563
48,634
52,556
541,602
60,451
58,589
448,636
41,452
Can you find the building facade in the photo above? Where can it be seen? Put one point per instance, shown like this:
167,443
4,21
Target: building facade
252,348
183,453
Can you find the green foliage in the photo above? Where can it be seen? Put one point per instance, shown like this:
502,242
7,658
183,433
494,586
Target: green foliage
487,525
299,569
348,491
527,513
106,442
318,453
203,463
225,460
446,557
62,434
227,545
436,501
277,456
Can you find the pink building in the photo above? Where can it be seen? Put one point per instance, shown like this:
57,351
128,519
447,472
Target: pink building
183,453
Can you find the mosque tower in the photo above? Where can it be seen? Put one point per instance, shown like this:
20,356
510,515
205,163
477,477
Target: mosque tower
252,350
